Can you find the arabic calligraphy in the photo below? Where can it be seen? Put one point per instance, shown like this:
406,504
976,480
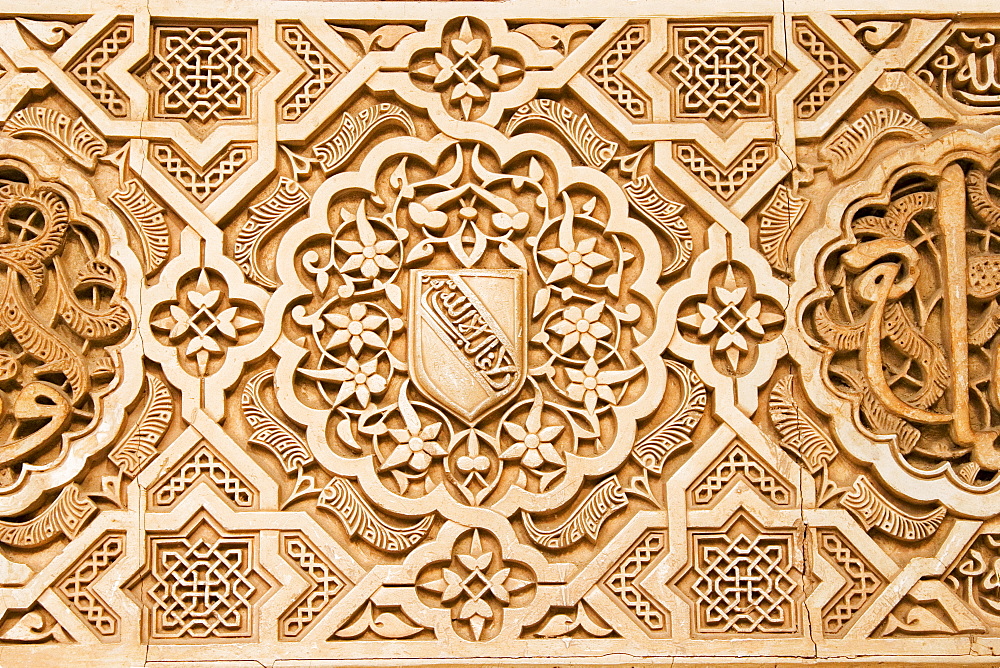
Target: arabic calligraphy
458,314
912,320
966,70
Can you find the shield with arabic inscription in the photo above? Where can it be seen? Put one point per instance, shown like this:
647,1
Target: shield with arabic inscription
467,344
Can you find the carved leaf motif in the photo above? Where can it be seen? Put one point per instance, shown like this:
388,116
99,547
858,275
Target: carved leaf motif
918,620
909,339
585,522
874,34
268,431
33,628
49,33
382,38
575,128
39,341
549,36
385,625
873,510
852,143
361,521
563,625
778,219
139,446
674,433
982,203
146,217
65,517
73,136
800,435
96,326
265,218
667,215
353,130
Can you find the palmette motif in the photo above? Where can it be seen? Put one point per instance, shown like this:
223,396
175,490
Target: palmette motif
617,337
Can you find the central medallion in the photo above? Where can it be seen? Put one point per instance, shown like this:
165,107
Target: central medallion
476,327
467,347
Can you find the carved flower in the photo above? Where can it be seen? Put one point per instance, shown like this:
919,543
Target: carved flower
589,383
360,380
731,318
416,444
370,258
581,328
357,328
578,261
370,254
534,443
204,322
474,581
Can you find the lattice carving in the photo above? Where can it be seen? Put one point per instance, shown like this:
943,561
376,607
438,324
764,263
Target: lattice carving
75,587
742,580
322,71
722,72
326,583
836,70
204,464
863,582
201,584
201,182
90,68
202,73
606,72
739,464
724,181
621,582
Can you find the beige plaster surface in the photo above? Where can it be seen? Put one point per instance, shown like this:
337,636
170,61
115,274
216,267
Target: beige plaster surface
499,333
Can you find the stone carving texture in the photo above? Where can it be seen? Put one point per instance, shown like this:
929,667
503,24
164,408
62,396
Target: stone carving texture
722,72
346,334
201,73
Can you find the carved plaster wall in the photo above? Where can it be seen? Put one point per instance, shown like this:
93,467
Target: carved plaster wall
496,333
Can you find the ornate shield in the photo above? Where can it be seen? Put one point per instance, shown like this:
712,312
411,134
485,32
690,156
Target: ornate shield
467,343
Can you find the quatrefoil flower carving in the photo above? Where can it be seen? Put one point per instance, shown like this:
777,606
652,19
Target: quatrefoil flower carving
733,318
477,585
465,70
203,323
